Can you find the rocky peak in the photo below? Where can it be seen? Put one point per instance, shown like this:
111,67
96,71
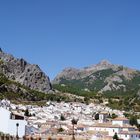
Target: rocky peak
104,63
23,72
68,69
67,73
73,73
101,77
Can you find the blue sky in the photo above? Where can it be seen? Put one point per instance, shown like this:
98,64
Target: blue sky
60,33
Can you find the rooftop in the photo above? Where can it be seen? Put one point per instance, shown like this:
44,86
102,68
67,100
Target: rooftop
120,119
130,132
109,125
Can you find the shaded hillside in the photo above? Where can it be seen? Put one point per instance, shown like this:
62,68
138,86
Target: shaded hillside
16,92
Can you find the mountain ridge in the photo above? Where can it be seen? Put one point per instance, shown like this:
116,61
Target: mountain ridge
102,77
21,71
22,81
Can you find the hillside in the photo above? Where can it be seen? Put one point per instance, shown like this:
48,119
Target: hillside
104,80
26,83
19,70
22,81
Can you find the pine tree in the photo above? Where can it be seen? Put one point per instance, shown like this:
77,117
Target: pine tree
27,113
115,137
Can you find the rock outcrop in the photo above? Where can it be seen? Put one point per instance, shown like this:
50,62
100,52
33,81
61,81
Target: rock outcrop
103,77
26,74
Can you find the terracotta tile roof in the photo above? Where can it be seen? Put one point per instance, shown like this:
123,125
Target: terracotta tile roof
103,112
120,119
109,125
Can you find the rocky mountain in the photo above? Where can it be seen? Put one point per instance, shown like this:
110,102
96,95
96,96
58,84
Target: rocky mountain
101,78
26,74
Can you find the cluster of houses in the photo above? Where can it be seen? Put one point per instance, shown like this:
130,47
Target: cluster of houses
54,117
119,126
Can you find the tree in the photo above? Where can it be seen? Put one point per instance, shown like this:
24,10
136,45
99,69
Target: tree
133,121
114,116
97,116
86,100
74,122
60,129
62,118
27,113
115,137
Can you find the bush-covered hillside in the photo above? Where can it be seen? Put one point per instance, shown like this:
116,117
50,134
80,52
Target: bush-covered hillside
15,91
118,84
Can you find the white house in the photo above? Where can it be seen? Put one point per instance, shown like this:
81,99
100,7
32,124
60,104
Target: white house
129,135
103,117
120,121
120,126
9,121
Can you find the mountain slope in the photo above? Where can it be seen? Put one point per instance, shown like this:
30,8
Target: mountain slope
26,74
101,78
18,93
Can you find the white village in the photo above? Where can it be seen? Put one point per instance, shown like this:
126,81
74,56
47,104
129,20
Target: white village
92,122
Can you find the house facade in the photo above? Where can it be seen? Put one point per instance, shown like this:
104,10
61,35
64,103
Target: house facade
9,121
119,125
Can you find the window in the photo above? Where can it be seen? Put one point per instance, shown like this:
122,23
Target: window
11,115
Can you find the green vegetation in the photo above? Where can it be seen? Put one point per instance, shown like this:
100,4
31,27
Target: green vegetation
74,90
115,137
124,102
133,119
89,86
3,79
113,116
62,117
60,130
23,93
117,99
27,113
78,86
99,83
1,61
97,116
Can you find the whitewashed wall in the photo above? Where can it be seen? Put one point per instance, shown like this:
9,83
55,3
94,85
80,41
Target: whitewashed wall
4,117
21,128
8,126
128,137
